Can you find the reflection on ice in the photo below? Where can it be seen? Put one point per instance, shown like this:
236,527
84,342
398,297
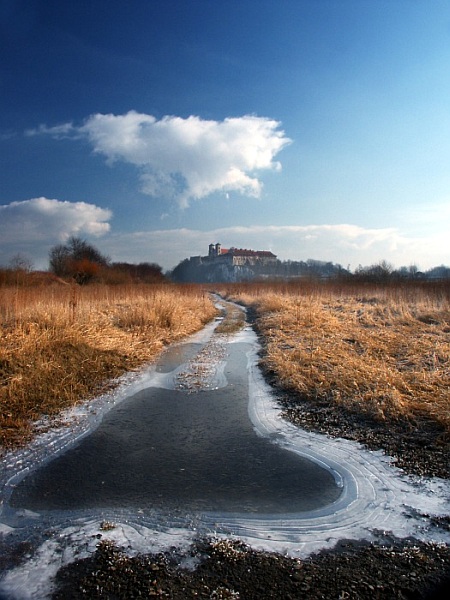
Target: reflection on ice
374,495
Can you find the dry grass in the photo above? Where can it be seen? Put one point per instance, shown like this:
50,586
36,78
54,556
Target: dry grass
233,320
61,344
384,352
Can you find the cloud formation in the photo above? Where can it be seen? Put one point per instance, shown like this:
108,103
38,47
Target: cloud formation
43,219
184,159
343,243
33,226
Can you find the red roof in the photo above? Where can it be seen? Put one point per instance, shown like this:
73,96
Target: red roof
245,252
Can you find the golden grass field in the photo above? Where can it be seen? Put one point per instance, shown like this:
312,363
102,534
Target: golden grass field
382,351
63,343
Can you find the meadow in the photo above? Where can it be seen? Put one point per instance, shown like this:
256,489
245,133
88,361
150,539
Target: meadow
61,343
378,350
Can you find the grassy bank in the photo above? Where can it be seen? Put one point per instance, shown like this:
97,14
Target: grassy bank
379,351
61,344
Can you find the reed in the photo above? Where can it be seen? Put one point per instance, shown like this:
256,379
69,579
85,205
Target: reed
382,351
61,344
233,321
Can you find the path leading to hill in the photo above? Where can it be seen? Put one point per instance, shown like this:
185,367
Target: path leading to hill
375,503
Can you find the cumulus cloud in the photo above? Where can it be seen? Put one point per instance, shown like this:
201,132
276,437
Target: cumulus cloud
32,226
185,159
42,218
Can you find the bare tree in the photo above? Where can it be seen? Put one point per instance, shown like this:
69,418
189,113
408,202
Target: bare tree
20,262
76,259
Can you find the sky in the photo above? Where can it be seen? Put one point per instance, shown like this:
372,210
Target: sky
317,129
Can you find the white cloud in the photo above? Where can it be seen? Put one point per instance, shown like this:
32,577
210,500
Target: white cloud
345,244
185,159
33,226
57,131
40,218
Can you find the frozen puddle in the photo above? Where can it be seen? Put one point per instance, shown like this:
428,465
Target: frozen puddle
175,450
172,455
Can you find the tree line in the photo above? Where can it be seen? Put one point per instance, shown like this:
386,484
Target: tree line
81,262
381,272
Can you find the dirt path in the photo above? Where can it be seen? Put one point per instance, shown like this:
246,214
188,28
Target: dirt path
221,568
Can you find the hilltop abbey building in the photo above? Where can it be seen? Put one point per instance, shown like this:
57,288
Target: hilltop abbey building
239,256
226,264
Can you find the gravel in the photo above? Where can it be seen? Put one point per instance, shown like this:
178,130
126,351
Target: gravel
386,569
419,448
406,570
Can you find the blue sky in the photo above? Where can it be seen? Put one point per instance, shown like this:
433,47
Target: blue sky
312,128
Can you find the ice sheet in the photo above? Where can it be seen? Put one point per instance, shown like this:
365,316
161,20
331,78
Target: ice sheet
376,496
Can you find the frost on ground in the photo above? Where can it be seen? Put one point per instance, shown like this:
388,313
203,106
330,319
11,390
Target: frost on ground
205,370
376,499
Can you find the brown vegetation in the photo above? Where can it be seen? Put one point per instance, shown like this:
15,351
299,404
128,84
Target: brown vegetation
381,351
233,320
63,343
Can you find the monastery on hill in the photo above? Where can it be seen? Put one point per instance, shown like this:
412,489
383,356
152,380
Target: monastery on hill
229,265
238,256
